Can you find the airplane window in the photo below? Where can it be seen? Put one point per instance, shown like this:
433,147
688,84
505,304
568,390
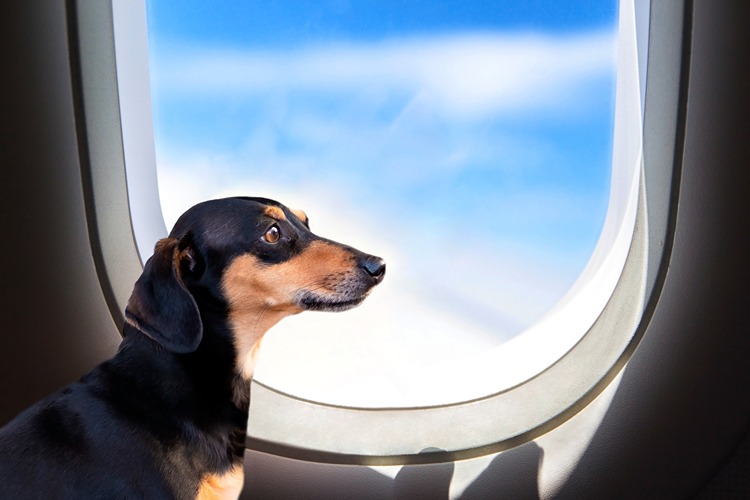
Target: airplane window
469,144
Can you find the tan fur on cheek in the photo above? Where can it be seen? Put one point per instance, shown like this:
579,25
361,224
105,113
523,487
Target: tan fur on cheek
256,303
260,295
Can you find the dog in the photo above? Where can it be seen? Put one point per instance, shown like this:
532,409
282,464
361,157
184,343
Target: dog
166,417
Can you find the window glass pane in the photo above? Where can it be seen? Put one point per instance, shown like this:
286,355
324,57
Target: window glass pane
467,143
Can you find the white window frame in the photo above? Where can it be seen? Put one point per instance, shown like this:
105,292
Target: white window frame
631,251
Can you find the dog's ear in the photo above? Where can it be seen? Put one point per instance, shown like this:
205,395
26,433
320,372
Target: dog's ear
160,305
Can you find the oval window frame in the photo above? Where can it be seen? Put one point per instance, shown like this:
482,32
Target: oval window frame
293,427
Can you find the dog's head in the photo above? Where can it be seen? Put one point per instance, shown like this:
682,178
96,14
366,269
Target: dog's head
250,261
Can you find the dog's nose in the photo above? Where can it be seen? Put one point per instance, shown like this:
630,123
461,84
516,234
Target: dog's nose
375,267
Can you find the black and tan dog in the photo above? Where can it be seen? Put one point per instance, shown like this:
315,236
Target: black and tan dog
166,417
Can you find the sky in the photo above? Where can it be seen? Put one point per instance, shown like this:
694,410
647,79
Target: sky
467,143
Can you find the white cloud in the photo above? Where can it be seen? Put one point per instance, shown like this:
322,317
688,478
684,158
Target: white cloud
433,307
465,75
465,258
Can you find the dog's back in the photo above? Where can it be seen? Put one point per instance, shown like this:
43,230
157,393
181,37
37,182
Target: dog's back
77,444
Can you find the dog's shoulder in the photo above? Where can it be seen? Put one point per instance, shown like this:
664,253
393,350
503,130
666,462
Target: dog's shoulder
74,444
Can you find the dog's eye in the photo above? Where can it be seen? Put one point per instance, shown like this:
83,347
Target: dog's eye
272,235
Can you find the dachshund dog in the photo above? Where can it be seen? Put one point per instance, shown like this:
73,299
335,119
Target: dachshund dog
166,417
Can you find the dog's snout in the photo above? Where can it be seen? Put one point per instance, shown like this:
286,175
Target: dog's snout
375,267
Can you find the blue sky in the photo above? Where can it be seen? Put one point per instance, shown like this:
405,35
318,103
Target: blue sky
468,143
273,23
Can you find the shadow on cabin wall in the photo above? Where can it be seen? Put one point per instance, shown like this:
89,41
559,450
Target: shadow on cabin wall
511,475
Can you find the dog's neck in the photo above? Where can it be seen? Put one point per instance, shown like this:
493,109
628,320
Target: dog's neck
248,328
221,368
186,395
207,376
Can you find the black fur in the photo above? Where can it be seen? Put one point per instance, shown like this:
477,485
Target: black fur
169,407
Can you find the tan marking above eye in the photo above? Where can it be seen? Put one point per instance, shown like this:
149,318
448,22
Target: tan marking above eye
274,212
300,214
